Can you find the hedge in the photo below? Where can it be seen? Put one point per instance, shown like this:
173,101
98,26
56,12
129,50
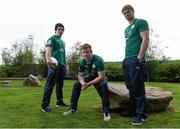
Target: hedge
168,71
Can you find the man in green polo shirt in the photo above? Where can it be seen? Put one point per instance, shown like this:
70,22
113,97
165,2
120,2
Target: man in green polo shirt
137,40
55,47
91,72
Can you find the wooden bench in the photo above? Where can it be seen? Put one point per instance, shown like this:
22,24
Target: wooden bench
6,83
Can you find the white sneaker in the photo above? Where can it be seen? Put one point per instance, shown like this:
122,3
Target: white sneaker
69,112
107,117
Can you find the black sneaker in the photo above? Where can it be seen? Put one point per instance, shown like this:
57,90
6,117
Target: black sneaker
137,121
47,109
62,104
144,117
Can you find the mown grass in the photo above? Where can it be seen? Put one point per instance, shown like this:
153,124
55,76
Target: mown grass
20,108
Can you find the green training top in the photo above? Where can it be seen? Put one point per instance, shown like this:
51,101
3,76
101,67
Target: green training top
133,38
96,65
58,49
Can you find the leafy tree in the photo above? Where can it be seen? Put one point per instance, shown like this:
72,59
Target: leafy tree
6,56
73,58
20,58
154,53
23,52
42,67
41,59
73,55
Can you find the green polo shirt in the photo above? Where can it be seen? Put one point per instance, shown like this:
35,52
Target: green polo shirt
58,49
96,65
133,38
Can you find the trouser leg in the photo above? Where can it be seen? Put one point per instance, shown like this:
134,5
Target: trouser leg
50,82
59,85
76,91
75,95
102,90
133,75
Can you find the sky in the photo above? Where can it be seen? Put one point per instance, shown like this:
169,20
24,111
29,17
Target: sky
98,22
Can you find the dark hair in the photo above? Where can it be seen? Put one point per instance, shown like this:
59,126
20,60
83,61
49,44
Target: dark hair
85,46
128,6
58,25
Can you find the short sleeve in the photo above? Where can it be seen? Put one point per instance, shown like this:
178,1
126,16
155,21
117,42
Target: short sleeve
142,25
81,66
50,42
100,65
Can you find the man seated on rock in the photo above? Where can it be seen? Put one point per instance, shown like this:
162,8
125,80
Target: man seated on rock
91,72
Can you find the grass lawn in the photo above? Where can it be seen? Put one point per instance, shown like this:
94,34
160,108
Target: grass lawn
20,108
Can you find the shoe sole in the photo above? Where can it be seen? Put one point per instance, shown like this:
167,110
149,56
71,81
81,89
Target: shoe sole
64,114
137,123
67,114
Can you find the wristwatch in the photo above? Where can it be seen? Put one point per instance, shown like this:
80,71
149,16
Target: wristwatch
140,58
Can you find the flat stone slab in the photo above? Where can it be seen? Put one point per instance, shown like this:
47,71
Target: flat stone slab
157,99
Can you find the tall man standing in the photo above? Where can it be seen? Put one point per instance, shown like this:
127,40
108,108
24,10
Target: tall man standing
137,41
55,47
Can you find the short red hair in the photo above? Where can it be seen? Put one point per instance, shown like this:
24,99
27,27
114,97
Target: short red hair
85,46
127,6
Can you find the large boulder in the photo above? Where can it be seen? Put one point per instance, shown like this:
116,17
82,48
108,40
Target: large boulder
32,81
157,98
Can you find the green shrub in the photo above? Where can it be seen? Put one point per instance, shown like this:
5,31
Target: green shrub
168,72
23,70
7,71
114,71
73,71
150,71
